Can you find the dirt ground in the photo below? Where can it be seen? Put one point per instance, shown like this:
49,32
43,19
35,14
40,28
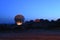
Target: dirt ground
30,36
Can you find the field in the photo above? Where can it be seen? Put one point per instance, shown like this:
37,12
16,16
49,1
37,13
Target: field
31,35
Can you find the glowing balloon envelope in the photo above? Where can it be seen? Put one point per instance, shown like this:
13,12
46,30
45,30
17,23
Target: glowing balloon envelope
19,19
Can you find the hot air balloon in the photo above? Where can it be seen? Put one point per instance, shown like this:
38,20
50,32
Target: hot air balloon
19,19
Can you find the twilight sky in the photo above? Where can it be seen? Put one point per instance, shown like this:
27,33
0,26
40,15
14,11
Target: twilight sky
31,9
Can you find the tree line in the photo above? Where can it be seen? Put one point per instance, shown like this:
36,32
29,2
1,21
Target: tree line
32,24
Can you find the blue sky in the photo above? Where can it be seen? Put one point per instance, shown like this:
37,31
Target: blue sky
31,9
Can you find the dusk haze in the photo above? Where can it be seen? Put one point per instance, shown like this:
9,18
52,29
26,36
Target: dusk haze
31,9
30,19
